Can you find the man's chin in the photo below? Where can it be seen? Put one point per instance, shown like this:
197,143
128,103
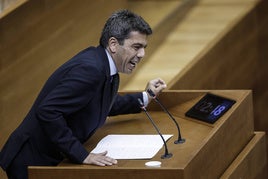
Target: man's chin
129,71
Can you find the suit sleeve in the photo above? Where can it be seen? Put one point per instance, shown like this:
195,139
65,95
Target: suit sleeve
126,104
71,94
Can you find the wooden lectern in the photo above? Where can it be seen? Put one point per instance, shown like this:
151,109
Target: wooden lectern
228,148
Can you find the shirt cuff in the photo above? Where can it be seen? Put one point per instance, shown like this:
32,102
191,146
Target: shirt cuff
145,99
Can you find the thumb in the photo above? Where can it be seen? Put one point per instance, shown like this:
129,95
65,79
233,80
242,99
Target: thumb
103,153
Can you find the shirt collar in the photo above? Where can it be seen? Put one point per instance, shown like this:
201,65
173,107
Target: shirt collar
112,66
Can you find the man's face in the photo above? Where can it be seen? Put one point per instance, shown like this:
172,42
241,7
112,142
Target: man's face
128,55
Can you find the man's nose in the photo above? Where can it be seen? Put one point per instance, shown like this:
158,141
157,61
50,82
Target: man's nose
141,53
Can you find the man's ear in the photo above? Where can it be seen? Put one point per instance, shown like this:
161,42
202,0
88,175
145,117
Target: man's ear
112,44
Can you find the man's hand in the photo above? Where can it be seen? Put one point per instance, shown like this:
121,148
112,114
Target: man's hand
99,159
156,85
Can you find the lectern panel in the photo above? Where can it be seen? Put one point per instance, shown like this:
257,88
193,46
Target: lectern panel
208,151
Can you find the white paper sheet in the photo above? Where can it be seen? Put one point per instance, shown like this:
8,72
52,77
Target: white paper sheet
131,146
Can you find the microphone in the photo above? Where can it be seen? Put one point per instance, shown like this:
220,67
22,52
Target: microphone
167,154
180,139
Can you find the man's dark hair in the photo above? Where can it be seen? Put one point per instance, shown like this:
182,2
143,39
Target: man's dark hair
120,24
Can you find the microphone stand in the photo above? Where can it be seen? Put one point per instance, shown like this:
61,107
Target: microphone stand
180,139
167,154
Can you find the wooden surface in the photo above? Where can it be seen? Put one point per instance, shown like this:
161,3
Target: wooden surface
35,39
208,150
235,59
7,6
218,45
227,62
39,36
164,17
195,36
251,162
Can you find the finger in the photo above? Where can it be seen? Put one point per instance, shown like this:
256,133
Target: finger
103,161
161,82
102,156
109,161
158,82
156,85
99,163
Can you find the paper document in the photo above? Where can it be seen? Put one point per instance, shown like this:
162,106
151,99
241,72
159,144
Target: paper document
131,146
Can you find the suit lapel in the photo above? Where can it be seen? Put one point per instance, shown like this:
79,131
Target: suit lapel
106,91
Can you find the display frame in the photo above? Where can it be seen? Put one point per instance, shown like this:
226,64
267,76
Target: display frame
210,108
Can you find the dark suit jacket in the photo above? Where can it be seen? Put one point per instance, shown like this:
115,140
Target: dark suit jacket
73,103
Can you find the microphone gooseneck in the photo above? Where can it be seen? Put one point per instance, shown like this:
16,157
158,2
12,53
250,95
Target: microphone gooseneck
180,139
167,154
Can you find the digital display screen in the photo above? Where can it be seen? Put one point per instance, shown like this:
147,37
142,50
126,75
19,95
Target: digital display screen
210,108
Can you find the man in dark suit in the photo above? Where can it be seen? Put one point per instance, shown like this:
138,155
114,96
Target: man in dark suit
77,98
